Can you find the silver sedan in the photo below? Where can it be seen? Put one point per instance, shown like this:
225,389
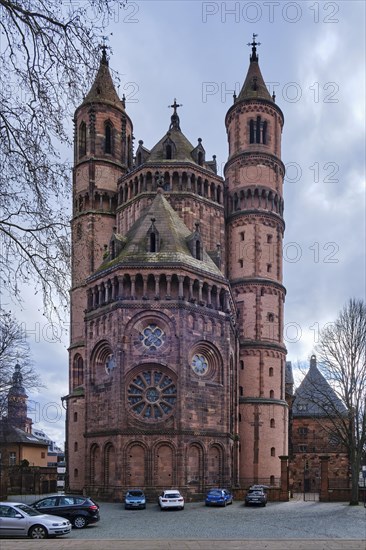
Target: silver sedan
17,519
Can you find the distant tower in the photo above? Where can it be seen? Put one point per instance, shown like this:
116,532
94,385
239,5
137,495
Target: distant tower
17,401
254,231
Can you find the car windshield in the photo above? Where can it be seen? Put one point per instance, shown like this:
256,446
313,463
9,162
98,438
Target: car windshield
256,493
135,494
215,493
28,510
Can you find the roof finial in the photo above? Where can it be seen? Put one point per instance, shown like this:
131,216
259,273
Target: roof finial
104,49
254,44
175,118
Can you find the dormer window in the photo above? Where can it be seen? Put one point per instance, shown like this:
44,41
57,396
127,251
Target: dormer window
258,131
168,152
200,158
153,242
108,138
82,139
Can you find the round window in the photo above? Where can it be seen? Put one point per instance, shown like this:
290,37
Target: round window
199,364
152,395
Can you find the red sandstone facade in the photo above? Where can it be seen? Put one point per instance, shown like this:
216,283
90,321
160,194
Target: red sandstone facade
177,362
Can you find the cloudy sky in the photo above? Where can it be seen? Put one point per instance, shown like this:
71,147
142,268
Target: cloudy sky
312,56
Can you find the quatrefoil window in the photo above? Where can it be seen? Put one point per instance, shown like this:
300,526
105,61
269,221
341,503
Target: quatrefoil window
152,337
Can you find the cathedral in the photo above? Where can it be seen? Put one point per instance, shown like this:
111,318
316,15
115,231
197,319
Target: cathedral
177,360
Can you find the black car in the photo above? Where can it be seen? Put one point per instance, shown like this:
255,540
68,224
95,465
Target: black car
79,510
256,495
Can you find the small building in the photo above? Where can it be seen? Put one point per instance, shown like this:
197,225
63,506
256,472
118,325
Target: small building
315,411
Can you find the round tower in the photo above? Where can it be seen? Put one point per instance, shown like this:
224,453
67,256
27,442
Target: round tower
254,176
102,154
17,401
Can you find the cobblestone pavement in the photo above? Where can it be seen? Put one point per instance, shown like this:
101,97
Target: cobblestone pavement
294,525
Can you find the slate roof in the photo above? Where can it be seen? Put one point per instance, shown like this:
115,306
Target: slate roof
183,146
11,434
173,241
315,395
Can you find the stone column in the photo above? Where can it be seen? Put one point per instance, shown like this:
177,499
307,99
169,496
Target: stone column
181,293
168,286
324,478
284,492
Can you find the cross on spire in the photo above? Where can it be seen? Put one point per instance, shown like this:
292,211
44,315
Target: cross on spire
254,44
175,118
175,106
104,49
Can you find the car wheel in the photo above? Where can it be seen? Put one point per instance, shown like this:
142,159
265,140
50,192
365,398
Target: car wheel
225,503
38,532
80,522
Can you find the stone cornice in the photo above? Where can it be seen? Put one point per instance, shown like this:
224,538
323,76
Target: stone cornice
177,165
261,344
168,432
249,105
256,213
257,281
262,401
257,157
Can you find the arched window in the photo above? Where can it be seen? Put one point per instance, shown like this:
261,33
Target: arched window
76,472
273,451
271,394
152,242
241,391
272,423
251,131
200,158
168,152
75,416
139,158
272,480
82,139
258,130
270,372
108,138
75,446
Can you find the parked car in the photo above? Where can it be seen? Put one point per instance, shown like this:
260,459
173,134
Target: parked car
256,495
79,510
135,499
171,499
18,519
218,497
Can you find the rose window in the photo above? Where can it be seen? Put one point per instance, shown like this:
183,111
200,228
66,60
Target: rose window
152,337
199,364
152,395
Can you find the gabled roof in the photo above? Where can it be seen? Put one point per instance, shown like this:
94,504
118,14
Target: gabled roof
174,237
183,147
315,397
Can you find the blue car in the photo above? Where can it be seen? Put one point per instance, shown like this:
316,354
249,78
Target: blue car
218,497
135,499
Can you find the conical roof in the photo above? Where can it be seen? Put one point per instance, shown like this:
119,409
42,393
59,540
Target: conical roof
254,86
103,90
315,397
173,247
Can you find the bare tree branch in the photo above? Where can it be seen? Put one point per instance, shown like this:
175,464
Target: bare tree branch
48,53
